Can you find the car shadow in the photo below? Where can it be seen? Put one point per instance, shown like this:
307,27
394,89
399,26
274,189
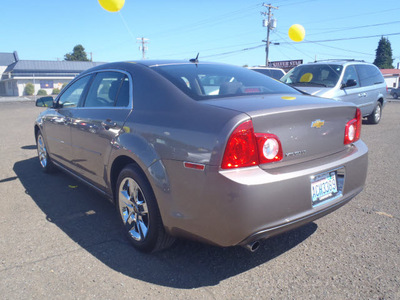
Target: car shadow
92,223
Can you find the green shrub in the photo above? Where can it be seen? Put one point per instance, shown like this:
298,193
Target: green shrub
55,91
42,92
29,89
64,85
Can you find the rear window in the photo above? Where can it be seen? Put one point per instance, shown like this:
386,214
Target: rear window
208,81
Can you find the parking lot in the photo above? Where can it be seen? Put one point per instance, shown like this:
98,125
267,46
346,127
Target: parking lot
61,240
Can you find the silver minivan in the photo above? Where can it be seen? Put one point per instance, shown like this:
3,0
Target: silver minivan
343,80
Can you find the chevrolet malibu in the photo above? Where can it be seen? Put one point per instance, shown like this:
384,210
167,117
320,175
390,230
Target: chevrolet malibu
205,151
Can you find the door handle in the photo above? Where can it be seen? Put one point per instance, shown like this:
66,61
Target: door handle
107,124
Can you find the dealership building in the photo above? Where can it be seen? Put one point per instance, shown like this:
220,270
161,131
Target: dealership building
43,74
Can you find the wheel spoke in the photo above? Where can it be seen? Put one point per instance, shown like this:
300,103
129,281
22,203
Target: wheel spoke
126,199
126,215
134,192
142,207
142,229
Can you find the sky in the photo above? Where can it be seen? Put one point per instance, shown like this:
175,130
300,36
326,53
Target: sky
220,30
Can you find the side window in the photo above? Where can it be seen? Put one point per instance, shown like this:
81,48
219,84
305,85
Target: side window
104,89
123,94
351,74
71,97
369,75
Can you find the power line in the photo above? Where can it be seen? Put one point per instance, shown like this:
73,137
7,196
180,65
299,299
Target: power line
207,22
337,48
347,39
358,15
235,51
297,3
355,27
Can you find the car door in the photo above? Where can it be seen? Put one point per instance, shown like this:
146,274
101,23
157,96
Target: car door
56,124
354,93
370,76
98,122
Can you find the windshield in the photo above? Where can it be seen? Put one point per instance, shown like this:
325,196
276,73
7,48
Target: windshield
324,75
208,81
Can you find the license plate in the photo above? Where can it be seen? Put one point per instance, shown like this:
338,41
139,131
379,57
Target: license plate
323,187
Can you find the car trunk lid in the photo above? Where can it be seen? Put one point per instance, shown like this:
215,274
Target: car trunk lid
308,127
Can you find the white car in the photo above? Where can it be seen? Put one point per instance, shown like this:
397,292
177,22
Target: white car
275,73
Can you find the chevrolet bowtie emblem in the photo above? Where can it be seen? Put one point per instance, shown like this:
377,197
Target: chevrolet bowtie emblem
317,123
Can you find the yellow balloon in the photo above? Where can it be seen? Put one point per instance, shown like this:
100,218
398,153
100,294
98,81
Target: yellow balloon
297,32
112,5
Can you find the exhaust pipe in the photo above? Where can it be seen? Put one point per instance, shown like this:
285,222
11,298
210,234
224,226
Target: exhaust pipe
253,246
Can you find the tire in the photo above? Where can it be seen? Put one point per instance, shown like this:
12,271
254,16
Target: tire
44,159
376,115
138,211
395,96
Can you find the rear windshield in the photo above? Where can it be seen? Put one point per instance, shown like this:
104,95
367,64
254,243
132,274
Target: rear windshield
324,75
208,81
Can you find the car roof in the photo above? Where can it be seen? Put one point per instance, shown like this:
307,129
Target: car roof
153,63
146,63
338,62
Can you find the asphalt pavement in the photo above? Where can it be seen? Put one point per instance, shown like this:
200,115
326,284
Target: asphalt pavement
61,240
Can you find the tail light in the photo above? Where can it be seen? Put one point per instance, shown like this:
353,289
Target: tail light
246,148
269,148
353,129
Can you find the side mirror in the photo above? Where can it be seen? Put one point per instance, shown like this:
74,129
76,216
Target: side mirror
349,83
45,102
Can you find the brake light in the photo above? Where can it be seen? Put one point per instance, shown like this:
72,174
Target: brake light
241,150
246,148
353,129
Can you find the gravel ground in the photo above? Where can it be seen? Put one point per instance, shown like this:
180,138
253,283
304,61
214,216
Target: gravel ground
61,240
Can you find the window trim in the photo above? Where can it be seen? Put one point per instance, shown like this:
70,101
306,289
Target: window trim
358,77
84,92
93,75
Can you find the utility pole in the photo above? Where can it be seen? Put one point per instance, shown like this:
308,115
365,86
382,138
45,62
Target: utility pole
270,24
143,48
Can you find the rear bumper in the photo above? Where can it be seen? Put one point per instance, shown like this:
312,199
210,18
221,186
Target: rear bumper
236,207
270,232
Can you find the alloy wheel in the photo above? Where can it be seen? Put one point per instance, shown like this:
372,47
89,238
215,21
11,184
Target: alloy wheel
42,151
133,209
377,113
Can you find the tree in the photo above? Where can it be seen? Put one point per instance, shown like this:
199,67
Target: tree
78,54
383,58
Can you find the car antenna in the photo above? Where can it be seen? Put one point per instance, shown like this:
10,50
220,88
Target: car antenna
195,60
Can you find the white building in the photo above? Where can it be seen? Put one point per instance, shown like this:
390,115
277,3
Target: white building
45,75
392,77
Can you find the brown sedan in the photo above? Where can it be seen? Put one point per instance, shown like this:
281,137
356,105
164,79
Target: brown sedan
211,152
